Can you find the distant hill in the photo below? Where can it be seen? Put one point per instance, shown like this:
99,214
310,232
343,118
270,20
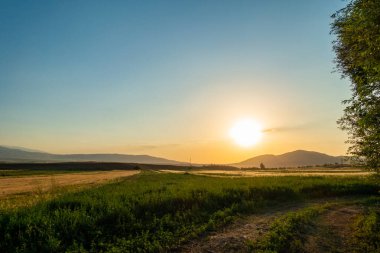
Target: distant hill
292,159
17,155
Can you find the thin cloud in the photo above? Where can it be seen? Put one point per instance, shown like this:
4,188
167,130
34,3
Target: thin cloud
304,126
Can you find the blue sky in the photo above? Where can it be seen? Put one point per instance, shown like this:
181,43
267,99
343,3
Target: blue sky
168,78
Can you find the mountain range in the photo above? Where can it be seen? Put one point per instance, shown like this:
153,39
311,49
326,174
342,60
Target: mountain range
292,159
17,155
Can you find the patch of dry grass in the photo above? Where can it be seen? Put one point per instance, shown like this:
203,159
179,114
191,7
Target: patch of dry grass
29,190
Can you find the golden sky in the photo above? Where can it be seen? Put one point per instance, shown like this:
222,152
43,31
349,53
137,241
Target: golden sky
171,85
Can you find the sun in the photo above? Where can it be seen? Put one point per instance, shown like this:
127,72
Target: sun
246,132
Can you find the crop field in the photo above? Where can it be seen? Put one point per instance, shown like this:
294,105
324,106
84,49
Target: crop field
154,211
25,184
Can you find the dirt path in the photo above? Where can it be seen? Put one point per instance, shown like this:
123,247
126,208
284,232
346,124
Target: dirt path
234,237
16,185
333,230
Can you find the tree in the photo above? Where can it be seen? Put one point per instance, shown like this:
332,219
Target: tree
262,166
357,49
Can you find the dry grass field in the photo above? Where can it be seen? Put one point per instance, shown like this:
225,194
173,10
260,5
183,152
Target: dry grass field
25,184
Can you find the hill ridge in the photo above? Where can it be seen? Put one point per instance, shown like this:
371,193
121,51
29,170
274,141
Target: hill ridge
8,154
292,159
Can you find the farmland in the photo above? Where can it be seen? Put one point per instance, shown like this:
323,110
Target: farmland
153,211
18,185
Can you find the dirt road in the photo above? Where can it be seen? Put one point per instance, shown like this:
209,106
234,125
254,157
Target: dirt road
331,231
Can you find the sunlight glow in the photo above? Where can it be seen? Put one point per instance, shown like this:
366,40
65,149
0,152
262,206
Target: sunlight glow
246,132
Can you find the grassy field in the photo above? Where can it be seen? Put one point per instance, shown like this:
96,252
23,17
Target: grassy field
276,173
24,184
159,212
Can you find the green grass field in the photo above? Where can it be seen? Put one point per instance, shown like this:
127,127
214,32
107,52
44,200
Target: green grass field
153,212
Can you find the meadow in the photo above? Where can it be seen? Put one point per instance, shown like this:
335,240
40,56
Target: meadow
160,212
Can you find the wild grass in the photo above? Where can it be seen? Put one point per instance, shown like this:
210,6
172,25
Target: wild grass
153,212
366,237
287,232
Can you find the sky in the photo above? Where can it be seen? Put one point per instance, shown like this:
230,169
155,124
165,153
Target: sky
169,78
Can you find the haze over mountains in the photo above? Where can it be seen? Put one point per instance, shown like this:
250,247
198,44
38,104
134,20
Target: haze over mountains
12,154
290,159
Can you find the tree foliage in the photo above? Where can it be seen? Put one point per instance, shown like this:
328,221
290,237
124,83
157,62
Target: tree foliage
357,49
